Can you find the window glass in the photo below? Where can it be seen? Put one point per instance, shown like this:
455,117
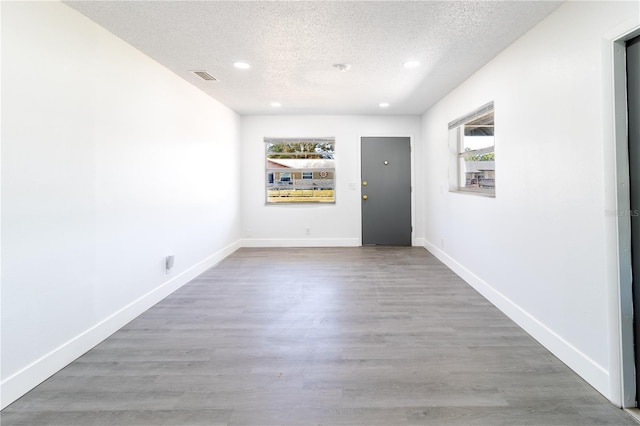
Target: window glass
300,170
474,139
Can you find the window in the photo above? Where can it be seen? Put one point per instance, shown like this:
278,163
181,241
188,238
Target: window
472,144
285,177
300,170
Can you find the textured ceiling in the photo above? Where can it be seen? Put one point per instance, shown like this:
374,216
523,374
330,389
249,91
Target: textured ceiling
292,46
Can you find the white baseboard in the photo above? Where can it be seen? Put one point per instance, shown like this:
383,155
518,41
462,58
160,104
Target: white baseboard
596,375
301,242
419,242
18,384
29,377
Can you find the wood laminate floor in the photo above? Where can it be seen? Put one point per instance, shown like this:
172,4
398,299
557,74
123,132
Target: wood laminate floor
319,336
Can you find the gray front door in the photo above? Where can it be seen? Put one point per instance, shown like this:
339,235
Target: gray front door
633,105
386,191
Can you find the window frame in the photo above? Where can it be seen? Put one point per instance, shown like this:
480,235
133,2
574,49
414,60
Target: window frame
311,169
458,153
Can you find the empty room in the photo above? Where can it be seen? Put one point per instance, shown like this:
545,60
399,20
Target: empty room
320,212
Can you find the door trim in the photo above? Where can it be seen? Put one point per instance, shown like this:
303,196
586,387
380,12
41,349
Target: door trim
622,369
413,187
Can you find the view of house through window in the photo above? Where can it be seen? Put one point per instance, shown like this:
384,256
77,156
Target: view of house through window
300,170
475,147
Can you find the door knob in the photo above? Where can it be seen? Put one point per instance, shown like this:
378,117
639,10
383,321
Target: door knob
364,197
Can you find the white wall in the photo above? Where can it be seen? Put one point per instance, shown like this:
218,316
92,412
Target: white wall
330,225
539,249
109,163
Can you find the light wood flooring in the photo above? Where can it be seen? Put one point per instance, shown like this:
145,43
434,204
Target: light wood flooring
319,336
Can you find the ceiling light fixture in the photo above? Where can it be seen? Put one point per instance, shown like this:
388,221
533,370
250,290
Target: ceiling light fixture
342,67
241,65
276,104
411,64
384,104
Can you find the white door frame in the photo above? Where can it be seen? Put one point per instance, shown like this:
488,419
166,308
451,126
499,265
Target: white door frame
621,316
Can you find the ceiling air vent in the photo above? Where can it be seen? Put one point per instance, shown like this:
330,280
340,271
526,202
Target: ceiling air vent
205,75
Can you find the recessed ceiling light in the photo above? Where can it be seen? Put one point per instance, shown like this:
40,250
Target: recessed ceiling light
411,64
241,65
276,104
384,104
342,67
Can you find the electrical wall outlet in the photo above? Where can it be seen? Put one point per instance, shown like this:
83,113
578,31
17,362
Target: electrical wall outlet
308,231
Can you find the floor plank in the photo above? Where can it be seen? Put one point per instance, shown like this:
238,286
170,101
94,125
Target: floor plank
319,336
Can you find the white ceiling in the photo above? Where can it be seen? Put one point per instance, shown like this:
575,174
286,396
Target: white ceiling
292,46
